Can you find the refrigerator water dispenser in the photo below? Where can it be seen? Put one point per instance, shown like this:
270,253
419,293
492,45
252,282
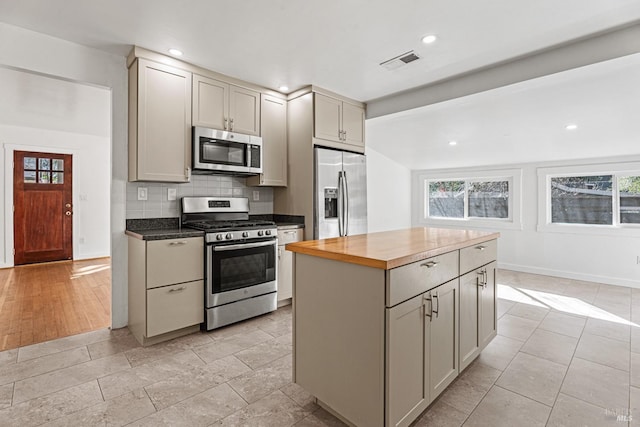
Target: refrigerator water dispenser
330,202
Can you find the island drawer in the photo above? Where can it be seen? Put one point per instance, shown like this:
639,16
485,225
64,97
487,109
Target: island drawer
478,255
413,279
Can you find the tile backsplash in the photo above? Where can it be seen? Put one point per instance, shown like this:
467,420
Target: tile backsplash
157,204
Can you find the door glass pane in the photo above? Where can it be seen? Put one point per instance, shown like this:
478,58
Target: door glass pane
57,165
629,187
582,200
57,177
44,178
489,199
30,176
30,163
44,164
446,199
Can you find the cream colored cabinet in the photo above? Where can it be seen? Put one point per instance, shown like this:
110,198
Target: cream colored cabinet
407,373
285,262
166,288
478,318
159,122
422,351
338,121
273,119
223,106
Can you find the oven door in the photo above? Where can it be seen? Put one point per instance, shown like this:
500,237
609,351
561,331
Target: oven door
239,271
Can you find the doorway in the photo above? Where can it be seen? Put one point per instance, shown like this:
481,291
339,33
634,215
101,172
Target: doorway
42,200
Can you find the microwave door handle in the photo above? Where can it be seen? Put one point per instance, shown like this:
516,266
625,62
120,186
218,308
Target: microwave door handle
345,194
340,206
243,246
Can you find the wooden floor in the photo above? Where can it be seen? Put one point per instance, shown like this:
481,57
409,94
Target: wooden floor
41,302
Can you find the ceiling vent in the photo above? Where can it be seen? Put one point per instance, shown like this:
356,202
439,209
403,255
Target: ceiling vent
400,61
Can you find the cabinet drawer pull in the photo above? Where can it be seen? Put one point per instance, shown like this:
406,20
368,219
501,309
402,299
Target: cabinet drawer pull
181,288
430,315
436,298
180,243
481,248
429,264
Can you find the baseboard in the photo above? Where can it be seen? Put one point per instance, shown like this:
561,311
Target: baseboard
571,275
95,255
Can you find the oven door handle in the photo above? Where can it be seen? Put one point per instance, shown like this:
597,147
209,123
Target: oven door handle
243,246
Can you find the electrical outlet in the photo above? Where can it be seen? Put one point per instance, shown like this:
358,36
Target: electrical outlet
171,193
81,240
142,193
638,259
83,198
256,195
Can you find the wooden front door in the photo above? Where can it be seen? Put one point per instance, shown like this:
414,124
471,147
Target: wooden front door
42,200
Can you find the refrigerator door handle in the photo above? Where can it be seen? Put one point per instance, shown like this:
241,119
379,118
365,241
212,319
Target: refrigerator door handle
345,194
340,205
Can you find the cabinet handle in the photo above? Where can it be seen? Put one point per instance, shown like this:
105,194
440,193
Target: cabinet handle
436,298
430,315
481,248
344,135
482,281
180,243
187,173
226,123
231,124
430,264
180,289
279,252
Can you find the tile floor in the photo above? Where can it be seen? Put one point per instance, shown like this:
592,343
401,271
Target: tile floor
567,354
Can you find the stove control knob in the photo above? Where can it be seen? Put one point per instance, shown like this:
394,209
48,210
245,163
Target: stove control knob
268,232
245,234
219,237
260,232
229,236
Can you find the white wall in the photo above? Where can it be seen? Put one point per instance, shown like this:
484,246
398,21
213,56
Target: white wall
605,258
37,52
388,193
40,113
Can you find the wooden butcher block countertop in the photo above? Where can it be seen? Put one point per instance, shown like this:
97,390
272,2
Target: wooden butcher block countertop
391,249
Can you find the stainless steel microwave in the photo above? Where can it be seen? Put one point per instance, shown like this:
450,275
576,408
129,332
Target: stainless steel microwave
218,151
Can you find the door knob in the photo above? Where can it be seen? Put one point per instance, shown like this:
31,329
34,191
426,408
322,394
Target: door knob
68,205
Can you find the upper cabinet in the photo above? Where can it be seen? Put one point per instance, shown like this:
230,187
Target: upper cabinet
224,106
338,121
273,118
159,122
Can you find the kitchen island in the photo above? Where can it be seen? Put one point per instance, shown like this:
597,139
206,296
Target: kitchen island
384,322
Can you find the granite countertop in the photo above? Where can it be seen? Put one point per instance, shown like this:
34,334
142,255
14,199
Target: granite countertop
391,249
159,229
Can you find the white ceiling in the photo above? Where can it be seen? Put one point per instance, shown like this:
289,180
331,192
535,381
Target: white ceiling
338,45
523,122
331,43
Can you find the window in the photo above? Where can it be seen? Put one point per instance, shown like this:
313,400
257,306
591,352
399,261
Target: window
489,199
38,171
590,198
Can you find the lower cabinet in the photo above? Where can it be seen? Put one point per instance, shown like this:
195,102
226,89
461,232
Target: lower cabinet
422,352
478,318
285,262
166,288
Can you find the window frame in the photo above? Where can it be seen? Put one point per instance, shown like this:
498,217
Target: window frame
617,171
512,176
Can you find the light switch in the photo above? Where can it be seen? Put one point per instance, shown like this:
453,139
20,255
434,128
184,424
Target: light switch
171,193
142,193
256,195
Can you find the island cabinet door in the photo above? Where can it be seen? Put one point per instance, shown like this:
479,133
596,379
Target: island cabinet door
487,320
470,289
443,356
407,349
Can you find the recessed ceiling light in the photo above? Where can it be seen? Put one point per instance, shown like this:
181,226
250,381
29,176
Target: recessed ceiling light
429,39
452,143
175,52
571,127
283,88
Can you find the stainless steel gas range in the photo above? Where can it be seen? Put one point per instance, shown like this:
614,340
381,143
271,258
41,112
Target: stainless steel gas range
240,258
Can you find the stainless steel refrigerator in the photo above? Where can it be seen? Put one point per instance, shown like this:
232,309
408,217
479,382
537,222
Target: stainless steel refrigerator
340,201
